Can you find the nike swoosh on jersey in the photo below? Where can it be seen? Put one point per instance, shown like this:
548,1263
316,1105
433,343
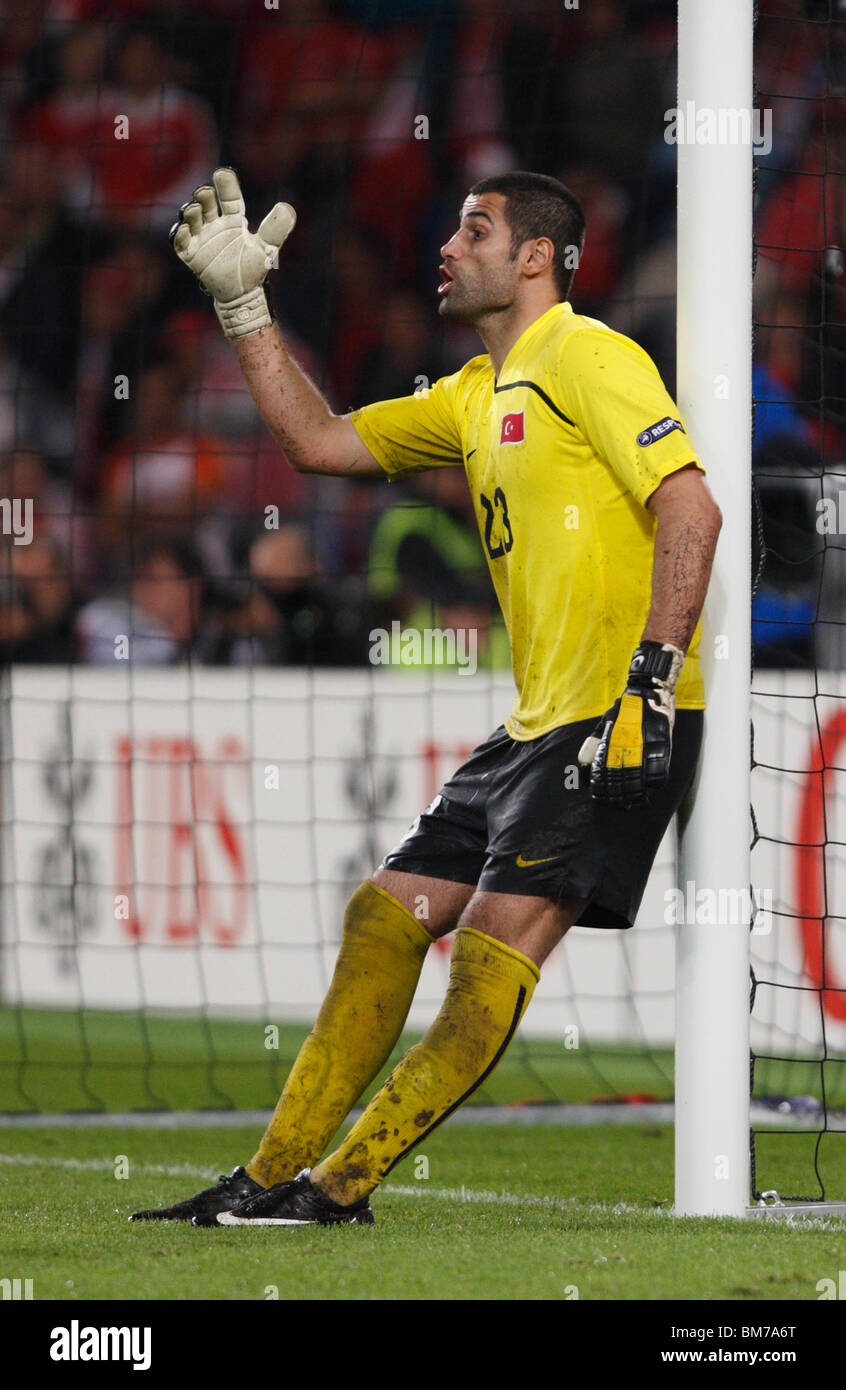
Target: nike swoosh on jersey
527,863
471,453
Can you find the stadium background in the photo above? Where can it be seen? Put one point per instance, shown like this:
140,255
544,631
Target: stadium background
122,411
124,418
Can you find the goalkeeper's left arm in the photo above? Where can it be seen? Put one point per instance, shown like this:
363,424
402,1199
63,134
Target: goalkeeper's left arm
629,750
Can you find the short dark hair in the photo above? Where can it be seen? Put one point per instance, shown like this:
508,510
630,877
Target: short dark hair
535,206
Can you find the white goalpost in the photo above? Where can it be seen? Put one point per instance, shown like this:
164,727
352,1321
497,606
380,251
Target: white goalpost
714,346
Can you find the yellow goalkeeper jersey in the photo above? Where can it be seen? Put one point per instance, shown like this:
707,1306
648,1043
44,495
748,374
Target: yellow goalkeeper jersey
562,453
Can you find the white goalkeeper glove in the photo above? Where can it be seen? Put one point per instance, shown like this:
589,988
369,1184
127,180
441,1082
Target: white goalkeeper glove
629,750
230,261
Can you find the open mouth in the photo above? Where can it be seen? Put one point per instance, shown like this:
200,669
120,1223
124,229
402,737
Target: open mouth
446,280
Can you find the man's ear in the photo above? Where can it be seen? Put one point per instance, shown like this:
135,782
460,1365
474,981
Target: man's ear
540,256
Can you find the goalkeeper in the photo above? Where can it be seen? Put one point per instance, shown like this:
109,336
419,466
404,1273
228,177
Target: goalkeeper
599,532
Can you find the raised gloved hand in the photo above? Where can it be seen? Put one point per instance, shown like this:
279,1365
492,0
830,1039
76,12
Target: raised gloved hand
230,261
629,750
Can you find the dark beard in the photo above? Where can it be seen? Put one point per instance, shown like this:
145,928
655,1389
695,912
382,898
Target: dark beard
471,315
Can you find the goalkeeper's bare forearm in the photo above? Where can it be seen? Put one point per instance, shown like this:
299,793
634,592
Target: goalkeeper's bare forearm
689,522
311,437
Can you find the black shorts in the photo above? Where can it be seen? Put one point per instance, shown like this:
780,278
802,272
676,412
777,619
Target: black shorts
518,817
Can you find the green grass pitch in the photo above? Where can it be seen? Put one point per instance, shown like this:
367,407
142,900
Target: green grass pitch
519,1212
523,1212
96,1060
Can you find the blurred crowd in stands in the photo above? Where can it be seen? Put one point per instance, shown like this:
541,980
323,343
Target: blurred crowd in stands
162,509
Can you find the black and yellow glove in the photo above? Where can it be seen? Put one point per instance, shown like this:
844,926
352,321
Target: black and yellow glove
629,750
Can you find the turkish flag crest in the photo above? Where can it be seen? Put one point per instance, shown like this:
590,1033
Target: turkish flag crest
512,431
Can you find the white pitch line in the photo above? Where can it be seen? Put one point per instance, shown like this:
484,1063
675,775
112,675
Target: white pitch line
441,1194
521,1199
438,1194
658,1113
104,1165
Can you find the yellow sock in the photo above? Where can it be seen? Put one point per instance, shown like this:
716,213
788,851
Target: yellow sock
382,952
490,985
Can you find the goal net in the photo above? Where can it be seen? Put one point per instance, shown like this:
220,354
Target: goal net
799,602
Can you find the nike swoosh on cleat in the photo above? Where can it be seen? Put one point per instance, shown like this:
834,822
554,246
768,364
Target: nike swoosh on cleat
225,1218
527,863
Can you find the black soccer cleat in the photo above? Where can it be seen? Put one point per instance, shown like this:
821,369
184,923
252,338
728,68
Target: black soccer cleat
228,1192
294,1203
